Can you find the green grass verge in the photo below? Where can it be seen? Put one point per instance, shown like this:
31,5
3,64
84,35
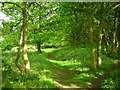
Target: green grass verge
113,80
41,75
76,60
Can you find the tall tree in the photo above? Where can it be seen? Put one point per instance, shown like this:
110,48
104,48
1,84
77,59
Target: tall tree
24,38
100,34
24,30
20,9
118,30
90,34
115,39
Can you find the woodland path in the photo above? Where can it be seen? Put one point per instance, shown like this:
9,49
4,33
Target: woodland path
62,81
98,81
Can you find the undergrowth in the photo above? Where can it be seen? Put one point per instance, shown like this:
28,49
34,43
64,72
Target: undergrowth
41,75
75,60
113,80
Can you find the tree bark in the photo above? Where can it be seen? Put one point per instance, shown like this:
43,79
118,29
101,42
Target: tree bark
115,41
24,29
91,38
118,32
39,46
99,60
39,41
106,41
18,54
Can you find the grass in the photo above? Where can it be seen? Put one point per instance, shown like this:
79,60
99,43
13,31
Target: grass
77,60
113,80
72,63
41,75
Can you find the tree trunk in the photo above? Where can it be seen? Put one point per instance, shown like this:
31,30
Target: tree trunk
115,42
39,46
118,31
38,42
18,54
91,38
24,29
106,43
99,60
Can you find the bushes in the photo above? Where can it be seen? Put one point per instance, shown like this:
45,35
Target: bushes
113,80
68,53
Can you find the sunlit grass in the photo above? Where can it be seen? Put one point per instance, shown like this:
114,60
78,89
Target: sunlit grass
41,75
48,50
77,60
74,61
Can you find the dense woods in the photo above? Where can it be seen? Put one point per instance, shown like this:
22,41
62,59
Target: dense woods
60,44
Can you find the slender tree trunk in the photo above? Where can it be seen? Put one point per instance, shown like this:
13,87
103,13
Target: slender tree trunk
39,46
103,43
115,42
18,54
91,38
24,29
118,31
106,43
39,41
99,60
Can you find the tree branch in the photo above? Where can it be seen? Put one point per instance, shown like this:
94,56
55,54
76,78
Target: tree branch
14,4
15,25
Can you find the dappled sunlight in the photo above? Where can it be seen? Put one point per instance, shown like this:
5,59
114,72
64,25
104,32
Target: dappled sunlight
41,73
49,50
44,80
65,86
47,72
74,72
60,45
82,69
66,63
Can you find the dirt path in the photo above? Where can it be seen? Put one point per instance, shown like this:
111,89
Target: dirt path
62,81
98,81
61,76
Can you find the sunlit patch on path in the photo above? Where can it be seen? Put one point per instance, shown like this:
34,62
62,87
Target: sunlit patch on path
61,79
67,77
98,81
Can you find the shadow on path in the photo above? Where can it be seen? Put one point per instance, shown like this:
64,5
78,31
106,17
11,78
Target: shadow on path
97,82
62,76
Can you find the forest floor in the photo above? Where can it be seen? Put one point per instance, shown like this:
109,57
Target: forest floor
62,76
67,67
97,82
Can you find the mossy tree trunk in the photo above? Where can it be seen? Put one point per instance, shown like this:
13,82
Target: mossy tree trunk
99,60
39,46
106,41
115,41
118,31
91,38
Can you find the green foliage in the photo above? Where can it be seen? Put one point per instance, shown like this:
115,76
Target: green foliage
41,75
112,81
10,41
43,69
76,61
74,53
58,25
